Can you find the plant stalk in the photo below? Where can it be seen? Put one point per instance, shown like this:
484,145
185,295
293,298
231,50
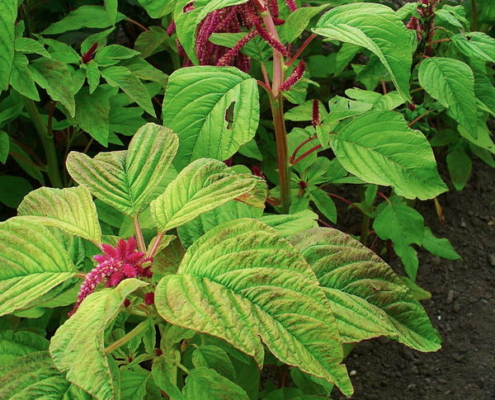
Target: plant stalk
127,337
52,168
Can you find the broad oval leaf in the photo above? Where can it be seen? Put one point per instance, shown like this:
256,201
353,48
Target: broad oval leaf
368,299
126,179
16,344
32,377
70,209
451,82
32,262
8,15
476,45
201,186
81,352
377,28
243,283
207,384
378,147
214,110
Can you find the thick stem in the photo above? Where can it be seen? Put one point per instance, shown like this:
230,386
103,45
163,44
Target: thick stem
126,338
282,152
139,234
474,11
278,59
52,168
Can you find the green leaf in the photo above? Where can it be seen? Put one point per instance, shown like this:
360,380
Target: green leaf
323,203
196,104
32,377
439,247
201,186
157,8
21,78
194,229
30,46
297,22
451,82
403,225
378,147
93,75
149,42
4,146
111,6
485,92
243,283
460,165
133,383
163,370
207,384
126,179
17,344
290,224
28,167
95,17
70,209
56,79
97,374
123,78
13,189
8,16
93,111
476,45
368,299
386,102
32,263
113,54
215,358
377,28
145,71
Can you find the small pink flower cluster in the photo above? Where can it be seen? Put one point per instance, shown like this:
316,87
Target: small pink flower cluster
116,264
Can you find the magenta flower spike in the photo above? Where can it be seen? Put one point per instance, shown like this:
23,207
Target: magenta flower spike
115,264
294,77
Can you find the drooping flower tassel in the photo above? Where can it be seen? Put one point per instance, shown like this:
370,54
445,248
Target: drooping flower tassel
294,77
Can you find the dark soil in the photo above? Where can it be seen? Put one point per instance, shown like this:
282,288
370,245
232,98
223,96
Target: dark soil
462,308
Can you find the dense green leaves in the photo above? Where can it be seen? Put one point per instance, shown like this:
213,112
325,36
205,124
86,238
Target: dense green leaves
8,15
32,377
32,262
85,361
16,344
83,17
214,110
379,147
242,282
451,82
376,28
126,179
368,299
70,209
476,45
207,384
200,187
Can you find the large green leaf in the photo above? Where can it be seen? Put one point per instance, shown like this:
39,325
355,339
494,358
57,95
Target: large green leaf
56,79
32,262
157,8
377,28
126,179
70,209
403,225
207,384
83,17
368,299
451,82
123,78
476,45
297,21
378,147
32,377
245,284
8,15
202,186
16,344
81,352
21,78
196,106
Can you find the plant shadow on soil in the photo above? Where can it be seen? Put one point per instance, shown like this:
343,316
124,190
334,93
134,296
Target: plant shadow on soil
462,309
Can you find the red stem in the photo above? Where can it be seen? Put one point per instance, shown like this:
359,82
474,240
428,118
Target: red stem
305,154
309,139
301,49
336,196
